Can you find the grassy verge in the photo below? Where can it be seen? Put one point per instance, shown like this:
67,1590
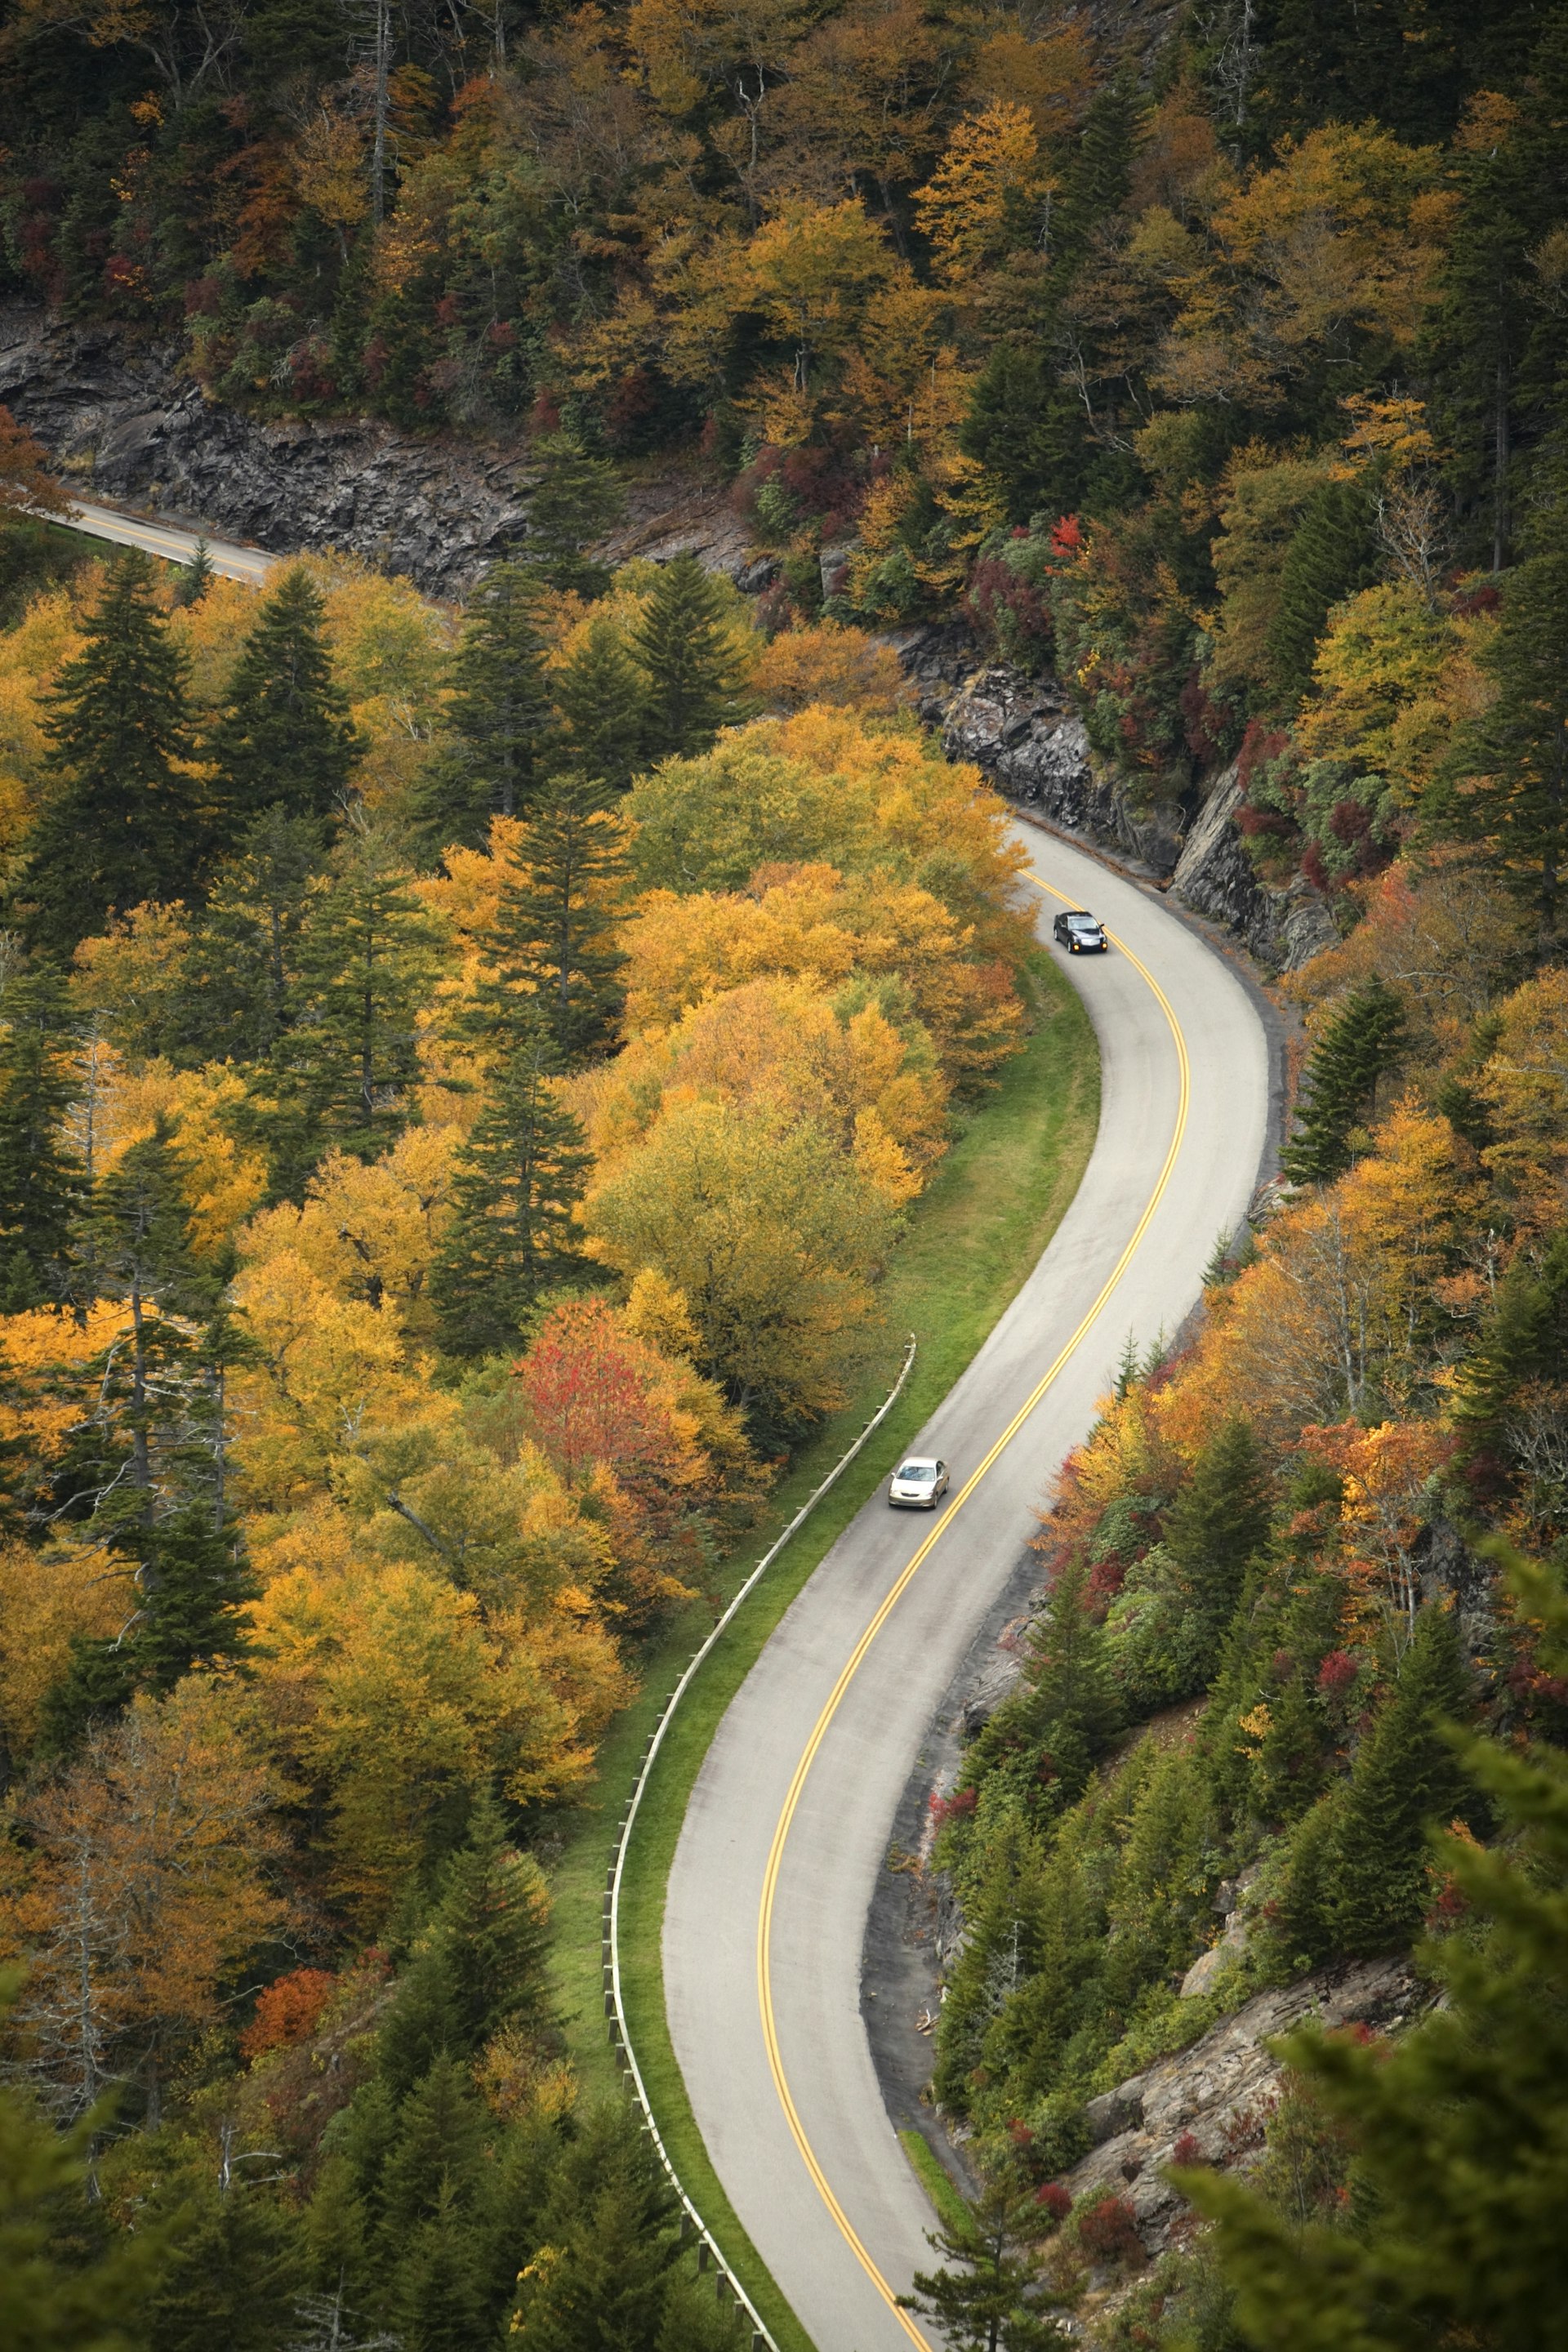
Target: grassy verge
988,1212
928,2170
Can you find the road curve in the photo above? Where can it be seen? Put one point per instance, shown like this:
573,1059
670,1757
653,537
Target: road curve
173,543
789,1822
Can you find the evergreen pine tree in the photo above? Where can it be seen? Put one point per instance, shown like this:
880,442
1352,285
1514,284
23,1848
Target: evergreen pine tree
242,971
41,1181
232,2274
1525,1339
1006,430
577,500
424,2019
519,1175
1331,555
480,1962
1100,172
991,2294
1507,780
68,2284
1058,1725
1363,1042
367,961
1478,332
145,1466
694,668
1405,1780
435,2301
196,576
499,713
286,739
1289,1768
124,823
610,2222
1219,1524
1458,2126
552,943
493,1919
599,696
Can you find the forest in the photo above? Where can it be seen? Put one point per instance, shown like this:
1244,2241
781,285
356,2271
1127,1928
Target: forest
464,1075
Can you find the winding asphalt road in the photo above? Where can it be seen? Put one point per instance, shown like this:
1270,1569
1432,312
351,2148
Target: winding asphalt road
172,542
790,1820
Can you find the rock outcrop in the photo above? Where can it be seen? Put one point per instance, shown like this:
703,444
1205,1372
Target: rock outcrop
122,424
1219,2094
1021,733
1214,876
126,425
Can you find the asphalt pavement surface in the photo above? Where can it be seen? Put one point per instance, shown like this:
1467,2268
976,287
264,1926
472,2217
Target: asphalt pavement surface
791,1817
172,542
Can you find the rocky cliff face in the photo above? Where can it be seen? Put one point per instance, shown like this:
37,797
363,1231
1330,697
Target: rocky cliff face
1021,732
1220,2093
123,425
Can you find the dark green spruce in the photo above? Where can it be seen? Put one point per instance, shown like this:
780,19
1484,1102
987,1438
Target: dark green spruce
519,1173
124,820
1361,1045
286,739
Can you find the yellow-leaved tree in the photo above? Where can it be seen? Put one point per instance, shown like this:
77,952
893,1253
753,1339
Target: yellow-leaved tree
772,1236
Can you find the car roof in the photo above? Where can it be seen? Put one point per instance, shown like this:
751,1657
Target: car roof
919,1461
1081,914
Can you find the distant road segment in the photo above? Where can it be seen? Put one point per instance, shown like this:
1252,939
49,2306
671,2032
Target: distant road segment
174,544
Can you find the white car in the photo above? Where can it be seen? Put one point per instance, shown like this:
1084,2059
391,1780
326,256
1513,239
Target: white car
916,1485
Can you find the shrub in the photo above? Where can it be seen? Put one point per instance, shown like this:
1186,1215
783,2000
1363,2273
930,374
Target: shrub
1108,2231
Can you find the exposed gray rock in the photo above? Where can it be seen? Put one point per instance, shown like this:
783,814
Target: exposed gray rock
1230,1900
1022,733
1217,878
1115,2112
680,511
1019,731
1221,2091
122,423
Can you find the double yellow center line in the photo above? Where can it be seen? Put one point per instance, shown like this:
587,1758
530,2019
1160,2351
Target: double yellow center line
858,1655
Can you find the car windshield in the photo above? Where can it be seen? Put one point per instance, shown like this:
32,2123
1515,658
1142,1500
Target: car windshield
1082,923
918,1474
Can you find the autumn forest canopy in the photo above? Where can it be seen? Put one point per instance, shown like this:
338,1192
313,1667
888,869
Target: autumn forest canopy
467,1073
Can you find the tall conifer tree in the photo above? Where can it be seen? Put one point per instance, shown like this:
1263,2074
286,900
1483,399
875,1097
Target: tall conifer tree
242,971
1363,1042
695,671
123,822
286,739
599,694
42,1183
1508,779
1332,555
520,1171
554,940
576,500
499,713
1218,1524
144,1467
367,961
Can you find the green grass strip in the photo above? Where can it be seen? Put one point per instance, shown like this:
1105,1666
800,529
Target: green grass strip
935,2179
989,1211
